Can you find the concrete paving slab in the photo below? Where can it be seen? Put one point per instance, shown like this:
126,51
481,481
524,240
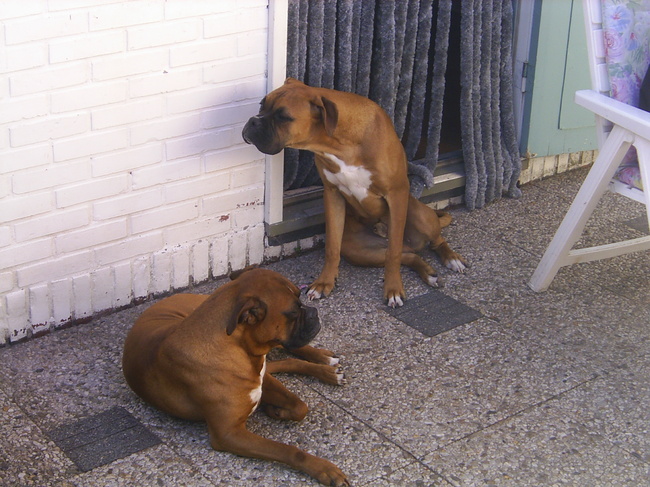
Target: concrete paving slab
543,389
328,431
413,475
612,405
27,457
541,446
157,466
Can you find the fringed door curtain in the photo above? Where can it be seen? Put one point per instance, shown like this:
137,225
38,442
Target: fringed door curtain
490,149
395,52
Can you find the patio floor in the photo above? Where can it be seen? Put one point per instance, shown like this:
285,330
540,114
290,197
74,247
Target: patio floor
541,389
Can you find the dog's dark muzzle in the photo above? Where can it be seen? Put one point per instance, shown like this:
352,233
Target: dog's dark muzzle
306,329
258,132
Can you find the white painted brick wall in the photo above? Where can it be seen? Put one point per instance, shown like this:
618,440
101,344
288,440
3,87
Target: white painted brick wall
122,170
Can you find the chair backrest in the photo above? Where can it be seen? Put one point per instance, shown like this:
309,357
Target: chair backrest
618,32
597,62
626,28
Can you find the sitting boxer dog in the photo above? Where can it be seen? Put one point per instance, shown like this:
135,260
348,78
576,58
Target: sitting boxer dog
202,357
366,190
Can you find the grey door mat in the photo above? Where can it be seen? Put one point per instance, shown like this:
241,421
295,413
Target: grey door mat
103,438
434,313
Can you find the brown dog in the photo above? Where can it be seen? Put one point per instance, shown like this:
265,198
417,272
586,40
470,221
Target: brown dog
203,357
366,190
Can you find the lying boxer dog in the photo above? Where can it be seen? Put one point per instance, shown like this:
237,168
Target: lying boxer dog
366,190
202,357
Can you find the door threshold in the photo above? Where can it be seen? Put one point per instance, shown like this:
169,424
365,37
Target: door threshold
304,213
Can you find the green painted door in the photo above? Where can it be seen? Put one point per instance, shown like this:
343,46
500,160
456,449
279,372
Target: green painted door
559,67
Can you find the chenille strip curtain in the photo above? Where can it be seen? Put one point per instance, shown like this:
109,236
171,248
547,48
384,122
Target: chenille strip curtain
395,53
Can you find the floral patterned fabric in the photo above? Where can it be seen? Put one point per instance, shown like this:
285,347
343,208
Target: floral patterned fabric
626,27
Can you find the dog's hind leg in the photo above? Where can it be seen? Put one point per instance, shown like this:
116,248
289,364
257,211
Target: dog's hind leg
453,260
444,218
424,270
424,225
278,401
366,248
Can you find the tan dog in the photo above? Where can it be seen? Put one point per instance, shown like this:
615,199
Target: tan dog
203,357
366,190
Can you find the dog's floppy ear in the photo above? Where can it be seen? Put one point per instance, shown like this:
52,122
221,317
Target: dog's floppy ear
251,311
328,113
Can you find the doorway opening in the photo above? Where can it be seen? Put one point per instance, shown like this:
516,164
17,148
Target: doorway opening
302,205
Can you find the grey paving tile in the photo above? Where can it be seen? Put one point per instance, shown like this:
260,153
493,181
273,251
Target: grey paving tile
154,467
542,446
580,295
615,406
328,431
502,220
565,186
66,376
627,277
413,475
531,221
27,457
466,382
443,387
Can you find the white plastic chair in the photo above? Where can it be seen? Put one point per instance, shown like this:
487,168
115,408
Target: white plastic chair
618,126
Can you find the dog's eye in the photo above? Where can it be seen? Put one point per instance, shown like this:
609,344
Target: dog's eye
282,117
292,315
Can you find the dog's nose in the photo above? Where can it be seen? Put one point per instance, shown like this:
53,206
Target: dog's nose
252,124
311,314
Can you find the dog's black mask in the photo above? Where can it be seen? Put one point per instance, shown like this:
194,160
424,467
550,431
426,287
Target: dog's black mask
260,132
305,330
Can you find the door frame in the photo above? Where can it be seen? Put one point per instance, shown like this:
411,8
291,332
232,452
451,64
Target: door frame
276,74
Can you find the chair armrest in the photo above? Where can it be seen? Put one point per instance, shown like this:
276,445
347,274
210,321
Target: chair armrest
630,118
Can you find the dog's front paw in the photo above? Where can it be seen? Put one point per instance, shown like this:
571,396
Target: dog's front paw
323,356
333,374
456,264
313,294
340,377
395,301
318,290
394,295
332,475
434,281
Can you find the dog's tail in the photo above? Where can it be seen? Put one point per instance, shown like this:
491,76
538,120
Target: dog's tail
444,217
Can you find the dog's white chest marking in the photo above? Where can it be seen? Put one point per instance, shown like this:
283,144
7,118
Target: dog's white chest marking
256,394
350,180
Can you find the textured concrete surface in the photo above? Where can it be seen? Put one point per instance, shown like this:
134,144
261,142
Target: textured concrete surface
542,389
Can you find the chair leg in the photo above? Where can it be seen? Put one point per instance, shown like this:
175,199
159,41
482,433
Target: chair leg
643,154
592,189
